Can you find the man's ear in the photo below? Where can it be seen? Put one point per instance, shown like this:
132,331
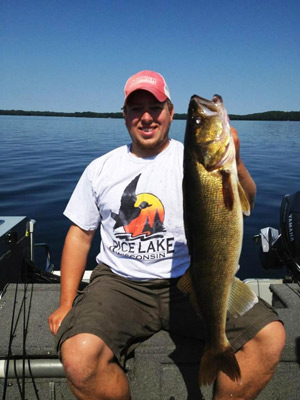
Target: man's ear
172,112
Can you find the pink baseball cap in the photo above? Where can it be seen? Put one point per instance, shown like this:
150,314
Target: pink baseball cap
150,81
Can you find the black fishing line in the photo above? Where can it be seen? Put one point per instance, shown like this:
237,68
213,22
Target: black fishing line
10,344
14,323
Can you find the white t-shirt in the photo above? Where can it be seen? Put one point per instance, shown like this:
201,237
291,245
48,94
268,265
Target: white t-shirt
138,204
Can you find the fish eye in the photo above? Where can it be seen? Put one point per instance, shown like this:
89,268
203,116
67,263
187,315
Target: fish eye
197,120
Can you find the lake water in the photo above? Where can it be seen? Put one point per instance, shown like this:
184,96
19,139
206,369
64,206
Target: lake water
43,157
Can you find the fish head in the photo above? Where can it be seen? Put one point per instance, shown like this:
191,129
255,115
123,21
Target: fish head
208,132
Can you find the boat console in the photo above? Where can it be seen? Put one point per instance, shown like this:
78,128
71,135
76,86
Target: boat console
14,248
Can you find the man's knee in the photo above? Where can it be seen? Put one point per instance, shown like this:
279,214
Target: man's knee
91,371
269,343
82,356
273,336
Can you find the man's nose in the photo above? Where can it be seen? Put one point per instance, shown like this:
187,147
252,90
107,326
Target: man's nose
147,116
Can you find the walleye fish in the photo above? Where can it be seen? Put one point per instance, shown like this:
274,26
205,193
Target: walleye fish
214,203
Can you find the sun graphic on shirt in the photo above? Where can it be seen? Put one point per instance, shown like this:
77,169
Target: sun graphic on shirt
139,214
150,218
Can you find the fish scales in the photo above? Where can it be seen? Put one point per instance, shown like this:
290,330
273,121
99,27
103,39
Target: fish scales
213,207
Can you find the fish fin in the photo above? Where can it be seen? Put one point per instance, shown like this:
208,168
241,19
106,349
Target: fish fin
185,282
214,361
242,298
228,195
185,286
244,200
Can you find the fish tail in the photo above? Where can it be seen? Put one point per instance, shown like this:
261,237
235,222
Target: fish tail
214,361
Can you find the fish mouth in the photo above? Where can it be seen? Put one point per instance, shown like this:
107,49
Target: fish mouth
210,136
206,107
201,109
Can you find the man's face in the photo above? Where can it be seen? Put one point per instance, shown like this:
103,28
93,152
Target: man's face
148,122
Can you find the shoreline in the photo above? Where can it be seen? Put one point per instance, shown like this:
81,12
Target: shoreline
264,116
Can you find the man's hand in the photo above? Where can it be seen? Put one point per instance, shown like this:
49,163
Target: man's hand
75,252
55,319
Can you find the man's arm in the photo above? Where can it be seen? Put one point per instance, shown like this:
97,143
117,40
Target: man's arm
73,263
245,179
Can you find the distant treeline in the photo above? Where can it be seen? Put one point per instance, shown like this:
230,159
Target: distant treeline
269,116
84,114
265,116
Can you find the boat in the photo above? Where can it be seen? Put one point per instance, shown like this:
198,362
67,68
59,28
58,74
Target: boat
163,367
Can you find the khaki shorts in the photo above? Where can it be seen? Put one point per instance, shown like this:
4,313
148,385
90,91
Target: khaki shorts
123,313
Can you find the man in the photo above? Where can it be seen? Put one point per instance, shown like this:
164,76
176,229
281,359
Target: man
134,194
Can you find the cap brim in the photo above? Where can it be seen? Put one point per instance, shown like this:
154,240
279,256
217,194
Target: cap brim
161,97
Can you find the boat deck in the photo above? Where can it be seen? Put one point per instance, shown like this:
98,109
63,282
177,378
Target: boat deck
163,367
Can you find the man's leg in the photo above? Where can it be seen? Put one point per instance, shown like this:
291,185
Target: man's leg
107,321
257,359
91,370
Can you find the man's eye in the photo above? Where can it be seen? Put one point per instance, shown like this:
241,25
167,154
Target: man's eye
135,108
156,108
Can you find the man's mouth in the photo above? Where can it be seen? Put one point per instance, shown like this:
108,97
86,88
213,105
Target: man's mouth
148,130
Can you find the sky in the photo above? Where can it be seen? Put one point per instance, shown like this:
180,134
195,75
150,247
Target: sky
75,56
